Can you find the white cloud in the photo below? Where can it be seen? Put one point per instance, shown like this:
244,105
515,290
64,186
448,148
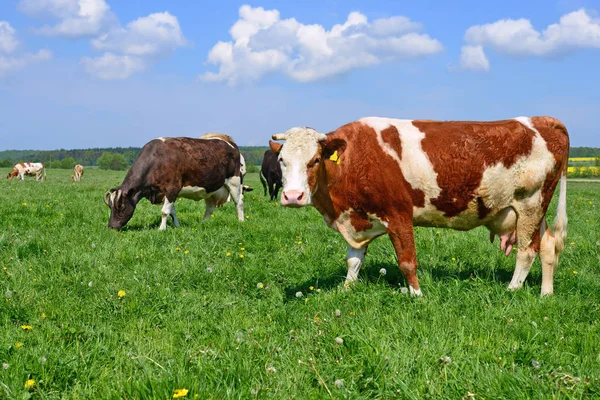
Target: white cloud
574,31
474,59
263,43
153,35
9,61
77,18
112,66
130,49
8,39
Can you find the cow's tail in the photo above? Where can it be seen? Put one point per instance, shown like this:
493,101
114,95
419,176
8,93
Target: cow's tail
559,227
263,180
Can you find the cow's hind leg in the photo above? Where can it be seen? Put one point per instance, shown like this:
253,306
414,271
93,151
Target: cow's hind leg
263,182
234,186
549,257
528,240
402,235
354,259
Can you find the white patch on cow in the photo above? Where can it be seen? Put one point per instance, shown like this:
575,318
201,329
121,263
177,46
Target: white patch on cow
162,139
360,239
234,186
414,163
295,154
414,292
168,208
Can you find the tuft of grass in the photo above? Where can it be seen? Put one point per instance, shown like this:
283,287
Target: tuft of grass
140,313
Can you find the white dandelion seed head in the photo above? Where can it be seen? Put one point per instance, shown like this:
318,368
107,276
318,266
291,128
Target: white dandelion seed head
535,364
260,285
271,369
5,365
239,337
42,360
445,360
338,313
382,271
534,324
93,245
209,270
8,293
339,340
339,383
404,290
299,295
90,283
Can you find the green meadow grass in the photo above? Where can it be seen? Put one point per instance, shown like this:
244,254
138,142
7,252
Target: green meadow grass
197,315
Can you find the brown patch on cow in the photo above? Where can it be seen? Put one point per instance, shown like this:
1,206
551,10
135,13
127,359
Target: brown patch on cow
460,152
482,210
360,221
22,165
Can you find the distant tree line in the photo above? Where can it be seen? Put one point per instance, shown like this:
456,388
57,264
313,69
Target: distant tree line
116,158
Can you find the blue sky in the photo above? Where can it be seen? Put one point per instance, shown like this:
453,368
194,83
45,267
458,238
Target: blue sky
101,73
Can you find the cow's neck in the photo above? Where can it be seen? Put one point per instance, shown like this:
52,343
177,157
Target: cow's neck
321,198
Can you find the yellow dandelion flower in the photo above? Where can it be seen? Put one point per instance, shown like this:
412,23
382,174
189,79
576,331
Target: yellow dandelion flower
352,313
317,319
18,345
241,256
311,288
242,248
177,249
247,217
572,243
43,315
227,255
179,393
453,259
24,204
26,327
300,242
186,252
121,293
575,272
437,233
29,384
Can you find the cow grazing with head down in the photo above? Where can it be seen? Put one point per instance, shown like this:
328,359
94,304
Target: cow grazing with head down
394,174
270,173
168,168
28,169
77,173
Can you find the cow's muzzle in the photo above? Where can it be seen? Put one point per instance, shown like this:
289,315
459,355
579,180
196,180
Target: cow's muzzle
293,198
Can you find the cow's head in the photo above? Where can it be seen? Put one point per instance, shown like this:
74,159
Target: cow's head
302,157
121,206
12,174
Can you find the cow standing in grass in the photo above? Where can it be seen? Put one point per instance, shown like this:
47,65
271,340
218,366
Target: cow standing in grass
270,174
168,168
394,174
77,173
28,169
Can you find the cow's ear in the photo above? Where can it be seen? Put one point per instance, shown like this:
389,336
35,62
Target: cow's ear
332,146
275,147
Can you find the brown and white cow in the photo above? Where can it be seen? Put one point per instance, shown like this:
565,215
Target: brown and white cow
77,173
28,169
168,168
394,174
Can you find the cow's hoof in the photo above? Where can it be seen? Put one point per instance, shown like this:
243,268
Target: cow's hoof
414,292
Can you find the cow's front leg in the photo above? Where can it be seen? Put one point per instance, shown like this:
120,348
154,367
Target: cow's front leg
168,208
354,259
403,238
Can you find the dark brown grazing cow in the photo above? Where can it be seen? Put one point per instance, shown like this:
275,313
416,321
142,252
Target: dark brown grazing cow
168,168
394,174
270,173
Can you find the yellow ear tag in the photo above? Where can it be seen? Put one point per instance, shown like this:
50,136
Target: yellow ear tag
335,158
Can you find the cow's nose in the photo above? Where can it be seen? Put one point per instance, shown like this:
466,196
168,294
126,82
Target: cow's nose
293,197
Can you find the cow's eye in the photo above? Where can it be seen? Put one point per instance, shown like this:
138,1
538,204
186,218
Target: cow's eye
315,162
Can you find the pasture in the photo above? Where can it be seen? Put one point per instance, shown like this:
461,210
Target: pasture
213,307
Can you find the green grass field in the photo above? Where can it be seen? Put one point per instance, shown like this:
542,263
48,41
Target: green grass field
212,308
